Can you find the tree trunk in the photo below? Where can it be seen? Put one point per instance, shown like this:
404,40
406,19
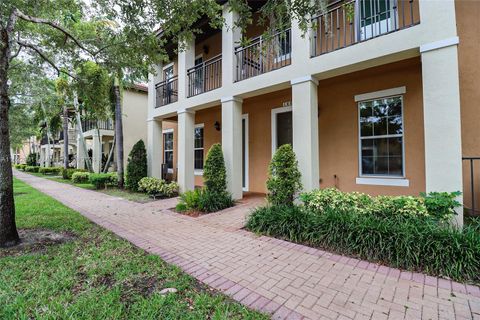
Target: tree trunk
118,132
82,138
65,137
8,228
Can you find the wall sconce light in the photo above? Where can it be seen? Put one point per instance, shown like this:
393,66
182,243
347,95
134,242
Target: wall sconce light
217,126
206,49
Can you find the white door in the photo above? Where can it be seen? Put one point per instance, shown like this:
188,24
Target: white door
376,18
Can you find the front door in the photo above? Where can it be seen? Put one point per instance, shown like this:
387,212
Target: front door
245,152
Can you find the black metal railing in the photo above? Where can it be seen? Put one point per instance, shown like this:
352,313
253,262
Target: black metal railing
167,92
263,55
88,125
346,23
471,179
205,76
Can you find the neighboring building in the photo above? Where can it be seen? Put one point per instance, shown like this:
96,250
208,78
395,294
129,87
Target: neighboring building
99,142
19,155
380,97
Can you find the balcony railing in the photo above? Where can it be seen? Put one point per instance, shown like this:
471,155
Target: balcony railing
349,22
88,125
263,55
205,76
167,92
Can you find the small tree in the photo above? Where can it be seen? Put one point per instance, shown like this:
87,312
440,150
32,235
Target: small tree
283,177
137,165
215,196
32,159
214,172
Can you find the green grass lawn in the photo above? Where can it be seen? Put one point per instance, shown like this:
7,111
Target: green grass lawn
97,275
112,191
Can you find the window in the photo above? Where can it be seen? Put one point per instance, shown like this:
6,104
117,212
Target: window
168,150
381,137
198,148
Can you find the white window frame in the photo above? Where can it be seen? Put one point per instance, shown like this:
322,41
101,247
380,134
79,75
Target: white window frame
163,140
383,180
198,172
274,125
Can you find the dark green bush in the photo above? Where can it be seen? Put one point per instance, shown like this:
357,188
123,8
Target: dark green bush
283,182
213,201
50,170
68,173
189,200
20,166
102,180
80,177
136,166
441,204
408,242
31,169
32,159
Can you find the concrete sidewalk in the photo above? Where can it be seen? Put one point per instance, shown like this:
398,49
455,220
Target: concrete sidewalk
286,280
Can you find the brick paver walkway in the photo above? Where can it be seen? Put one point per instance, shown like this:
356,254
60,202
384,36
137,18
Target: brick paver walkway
286,280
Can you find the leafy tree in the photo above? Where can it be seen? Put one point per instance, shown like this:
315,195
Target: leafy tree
137,165
283,182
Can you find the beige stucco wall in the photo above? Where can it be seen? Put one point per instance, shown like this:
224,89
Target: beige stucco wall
134,117
468,28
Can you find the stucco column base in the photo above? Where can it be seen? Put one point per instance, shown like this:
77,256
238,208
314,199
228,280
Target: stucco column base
442,123
80,154
155,148
305,130
232,144
186,124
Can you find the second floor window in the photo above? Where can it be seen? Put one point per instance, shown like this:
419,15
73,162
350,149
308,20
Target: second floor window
381,137
198,148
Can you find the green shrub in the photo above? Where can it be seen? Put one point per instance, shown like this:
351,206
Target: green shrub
68,173
31,169
442,204
32,159
102,180
158,187
80,177
416,243
191,199
283,182
136,166
50,170
213,202
436,205
20,166
181,207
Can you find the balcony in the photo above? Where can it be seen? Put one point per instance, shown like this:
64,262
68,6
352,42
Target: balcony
350,22
205,76
88,125
263,55
167,92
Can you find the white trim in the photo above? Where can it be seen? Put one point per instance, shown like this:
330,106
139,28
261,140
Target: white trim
167,130
231,98
380,94
245,155
165,67
200,125
304,79
185,111
198,172
393,182
274,125
439,44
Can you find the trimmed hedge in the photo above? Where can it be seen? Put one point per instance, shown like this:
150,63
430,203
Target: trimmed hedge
50,170
158,187
20,166
102,180
68,173
80,177
32,168
407,242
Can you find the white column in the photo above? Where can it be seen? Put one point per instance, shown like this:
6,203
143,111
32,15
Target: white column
442,122
230,39
154,148
186,60
305,130
300,45
80,153
96,152
186,124
232,144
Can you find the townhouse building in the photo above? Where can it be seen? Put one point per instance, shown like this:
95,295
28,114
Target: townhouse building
380,96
